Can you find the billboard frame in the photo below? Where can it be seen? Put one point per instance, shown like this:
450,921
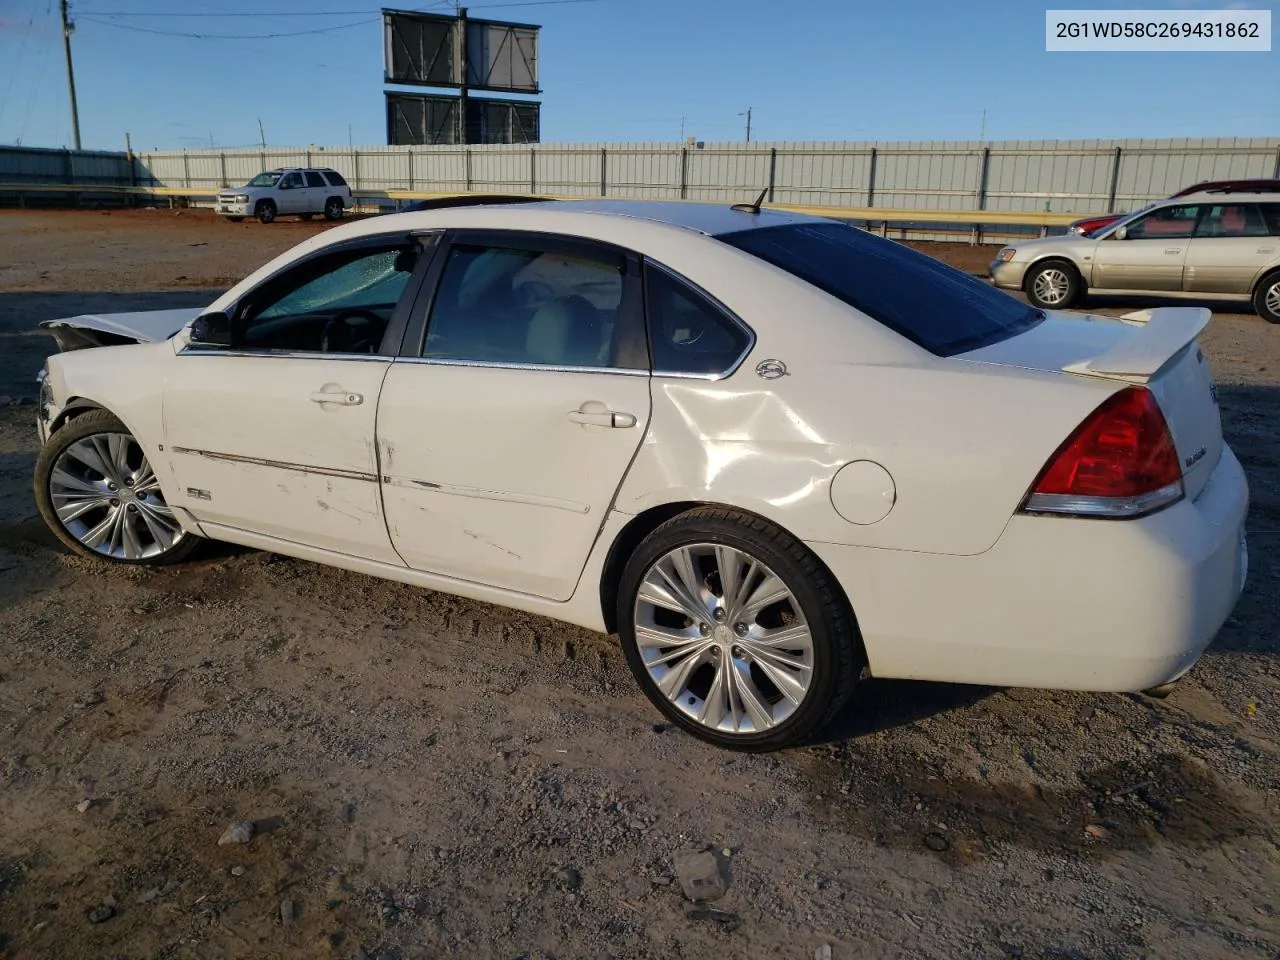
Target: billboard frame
458,47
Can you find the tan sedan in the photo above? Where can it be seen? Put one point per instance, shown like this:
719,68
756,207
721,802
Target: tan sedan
1221,246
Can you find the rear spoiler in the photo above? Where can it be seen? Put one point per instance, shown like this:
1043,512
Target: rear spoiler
1164,332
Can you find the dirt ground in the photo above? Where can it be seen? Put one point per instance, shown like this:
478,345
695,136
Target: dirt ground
430,776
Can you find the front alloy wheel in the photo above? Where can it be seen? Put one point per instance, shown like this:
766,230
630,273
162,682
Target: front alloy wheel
98,493
735,631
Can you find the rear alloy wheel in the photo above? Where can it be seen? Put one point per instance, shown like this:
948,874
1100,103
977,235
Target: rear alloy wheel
333,208
736,632
1266,298
98,493
265,211
1053,286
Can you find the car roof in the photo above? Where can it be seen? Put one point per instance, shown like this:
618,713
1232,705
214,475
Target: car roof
1224,196
711,219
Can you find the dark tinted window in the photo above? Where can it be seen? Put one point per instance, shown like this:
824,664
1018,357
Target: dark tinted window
314,179
291,181
335,179
687,332
513,305
940,308
1231,220
1271,216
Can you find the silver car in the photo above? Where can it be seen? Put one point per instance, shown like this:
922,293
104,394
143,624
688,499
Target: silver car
287,190
1220,246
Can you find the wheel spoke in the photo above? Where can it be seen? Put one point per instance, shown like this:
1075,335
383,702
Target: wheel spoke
118,447
105,528
62,478
718,701
790,676
77,505
88,453
676,679
667,589
753,703
146,480
796,635
770,591
129,535
160,522
729,566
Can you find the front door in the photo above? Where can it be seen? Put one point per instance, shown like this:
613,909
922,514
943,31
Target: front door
1151,255
274,434
1230,248
291,194
505,437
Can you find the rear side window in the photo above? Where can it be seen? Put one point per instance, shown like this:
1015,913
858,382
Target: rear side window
335,179
1231,220
936,306
1271,215
688,334
314,179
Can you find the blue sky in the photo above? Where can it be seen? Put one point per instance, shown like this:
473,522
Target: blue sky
629,70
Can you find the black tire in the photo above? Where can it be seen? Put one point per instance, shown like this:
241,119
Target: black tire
837,652
84,426
333,208
1266,297
235,219
305,216
265,211
1050,275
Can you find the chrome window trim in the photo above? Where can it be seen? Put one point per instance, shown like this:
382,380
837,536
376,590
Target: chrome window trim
188,350
716,302
513,365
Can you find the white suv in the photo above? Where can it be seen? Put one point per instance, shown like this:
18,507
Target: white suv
295,190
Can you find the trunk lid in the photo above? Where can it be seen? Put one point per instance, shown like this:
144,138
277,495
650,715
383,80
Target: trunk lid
1156,348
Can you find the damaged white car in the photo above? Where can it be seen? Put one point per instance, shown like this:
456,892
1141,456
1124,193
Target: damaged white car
774,453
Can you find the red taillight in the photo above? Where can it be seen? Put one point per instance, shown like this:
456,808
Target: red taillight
1120,462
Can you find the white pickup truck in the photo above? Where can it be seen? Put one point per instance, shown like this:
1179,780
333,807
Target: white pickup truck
288,190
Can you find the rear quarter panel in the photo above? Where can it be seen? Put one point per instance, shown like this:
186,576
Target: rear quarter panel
962,441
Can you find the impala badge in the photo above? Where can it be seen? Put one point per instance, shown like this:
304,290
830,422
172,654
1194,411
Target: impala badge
771,369
1195,458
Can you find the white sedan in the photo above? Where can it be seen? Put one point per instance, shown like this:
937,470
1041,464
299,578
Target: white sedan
774,453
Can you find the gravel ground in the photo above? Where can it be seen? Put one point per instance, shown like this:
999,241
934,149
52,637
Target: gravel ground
428,776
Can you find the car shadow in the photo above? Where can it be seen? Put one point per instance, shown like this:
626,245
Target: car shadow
879,705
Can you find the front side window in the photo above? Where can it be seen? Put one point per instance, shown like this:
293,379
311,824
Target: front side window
291,181
942,309
340,303
314,179
1232,220
1167,223
266,179
688,334
512,305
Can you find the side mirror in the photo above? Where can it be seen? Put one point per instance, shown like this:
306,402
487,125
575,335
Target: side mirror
1121,233
211,330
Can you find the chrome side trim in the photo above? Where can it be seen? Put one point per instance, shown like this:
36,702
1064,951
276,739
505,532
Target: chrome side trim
733,317
481,494
279,464
503,365
1104,508
282,354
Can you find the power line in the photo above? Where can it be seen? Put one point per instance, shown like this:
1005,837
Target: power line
227,36
22,52
316,13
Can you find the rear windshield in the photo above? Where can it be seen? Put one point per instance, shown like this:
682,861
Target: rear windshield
940,308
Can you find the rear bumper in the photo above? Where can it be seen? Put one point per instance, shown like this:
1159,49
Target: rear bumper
1065,603
1007,276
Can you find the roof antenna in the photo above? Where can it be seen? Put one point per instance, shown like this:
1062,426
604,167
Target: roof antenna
752,207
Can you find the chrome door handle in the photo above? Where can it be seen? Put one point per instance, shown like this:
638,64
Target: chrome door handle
603,418
342,399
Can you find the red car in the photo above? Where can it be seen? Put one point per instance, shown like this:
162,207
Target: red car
1090,224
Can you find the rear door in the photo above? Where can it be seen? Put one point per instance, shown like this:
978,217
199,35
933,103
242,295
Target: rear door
316,192
1151,255
507,429
1230,248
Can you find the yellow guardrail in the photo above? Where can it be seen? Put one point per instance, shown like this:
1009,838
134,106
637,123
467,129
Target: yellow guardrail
884,215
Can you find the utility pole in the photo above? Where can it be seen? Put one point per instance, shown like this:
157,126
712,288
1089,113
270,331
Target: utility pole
748,116
460,58
67,28
261,135
983,135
